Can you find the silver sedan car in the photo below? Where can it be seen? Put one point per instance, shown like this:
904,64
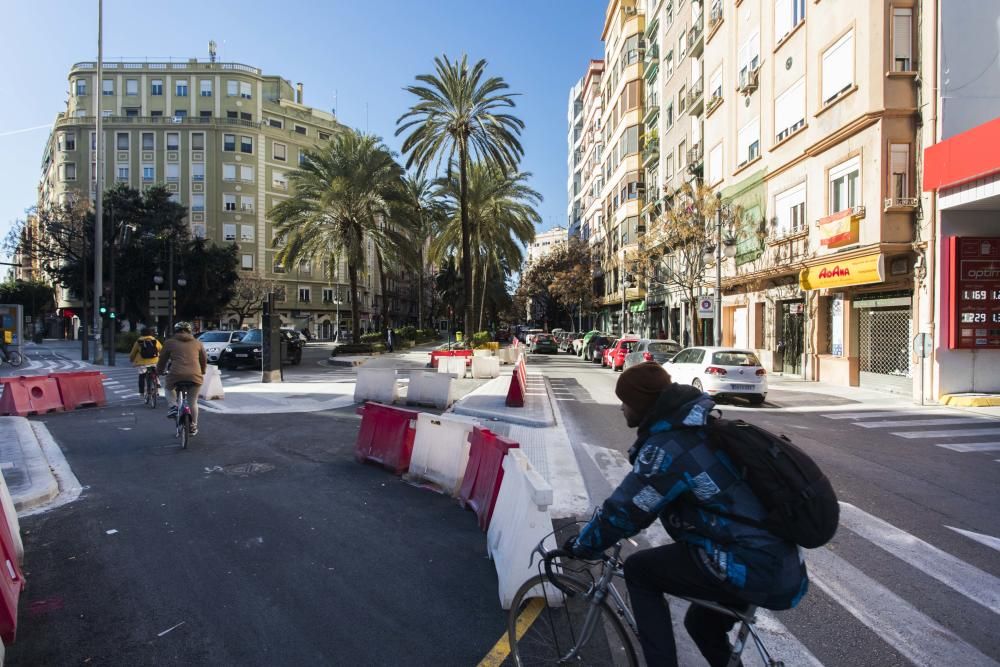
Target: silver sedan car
652,349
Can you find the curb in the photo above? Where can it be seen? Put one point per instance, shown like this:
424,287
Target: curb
350,362
970,400
43,487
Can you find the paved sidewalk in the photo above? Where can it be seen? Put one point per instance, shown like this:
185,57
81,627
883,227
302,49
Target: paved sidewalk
33,465
489,402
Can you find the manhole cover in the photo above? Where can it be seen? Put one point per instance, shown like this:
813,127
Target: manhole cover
247,469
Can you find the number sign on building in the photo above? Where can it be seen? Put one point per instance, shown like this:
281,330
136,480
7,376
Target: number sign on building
975,293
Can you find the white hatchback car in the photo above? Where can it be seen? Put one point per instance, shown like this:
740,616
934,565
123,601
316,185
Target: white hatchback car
216,341
720,371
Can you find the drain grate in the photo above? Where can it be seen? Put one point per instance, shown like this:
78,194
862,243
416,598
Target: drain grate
247,469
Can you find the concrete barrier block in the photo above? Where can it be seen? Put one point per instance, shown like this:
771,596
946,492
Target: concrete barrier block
376,384
441,450
430,389
485,367
212,389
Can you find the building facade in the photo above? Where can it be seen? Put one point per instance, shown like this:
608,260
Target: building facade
223,138
544,243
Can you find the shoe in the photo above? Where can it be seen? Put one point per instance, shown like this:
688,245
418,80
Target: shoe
194,429
172,413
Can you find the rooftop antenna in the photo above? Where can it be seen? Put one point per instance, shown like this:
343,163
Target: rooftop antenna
211,50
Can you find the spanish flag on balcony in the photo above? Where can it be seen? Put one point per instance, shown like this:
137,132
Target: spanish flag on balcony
838,229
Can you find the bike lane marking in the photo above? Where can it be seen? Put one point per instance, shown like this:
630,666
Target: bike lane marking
501,649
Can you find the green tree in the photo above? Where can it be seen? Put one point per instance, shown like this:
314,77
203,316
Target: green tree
557,284
342,193
37,297
249,294
212,273
461,115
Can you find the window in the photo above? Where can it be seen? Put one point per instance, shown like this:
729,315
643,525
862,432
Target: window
180,113
902,39
682,45
245,90
197,171
67,141
156,114
246,144
280,151
198,141
681,155
232,88
81,87
148,172
131,86
299,129
274,122
198,230
715,84
173,171
173,141
229,142
327,295
748,142
304,294
122,141
787,15
669,115
668,165
302,156
156,87
175,197
205,86
246,263
248,117
67,171
181,88
279,180
123,173
204,113
131,112
838,68
232,114
278,267
670,63
749,58
246,233
790,110
229,172
790,209
198,202
629,142
715,164
108,87
148,141
246,203
246,173
899,170
228,232
229,202
324,136
845,185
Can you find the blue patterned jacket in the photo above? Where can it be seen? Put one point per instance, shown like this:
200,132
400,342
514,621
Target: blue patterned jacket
678,478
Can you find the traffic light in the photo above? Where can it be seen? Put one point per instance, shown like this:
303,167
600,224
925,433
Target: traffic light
103,306
112,315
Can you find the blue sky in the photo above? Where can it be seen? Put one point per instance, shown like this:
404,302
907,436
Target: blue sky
357,54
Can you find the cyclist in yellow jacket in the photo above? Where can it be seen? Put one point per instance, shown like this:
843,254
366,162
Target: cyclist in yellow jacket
144,355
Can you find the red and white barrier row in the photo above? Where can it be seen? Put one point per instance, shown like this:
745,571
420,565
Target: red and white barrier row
39,394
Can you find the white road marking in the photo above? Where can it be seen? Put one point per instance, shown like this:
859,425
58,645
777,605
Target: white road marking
868,415
921,422
968,580
988,540
972,446
958,433
914,635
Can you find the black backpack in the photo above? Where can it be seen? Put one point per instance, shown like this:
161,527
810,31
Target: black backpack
800,502
147,348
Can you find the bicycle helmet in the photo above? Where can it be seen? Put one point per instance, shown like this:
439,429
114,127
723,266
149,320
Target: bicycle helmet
182,326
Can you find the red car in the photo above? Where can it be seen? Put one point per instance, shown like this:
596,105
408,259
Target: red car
606,353
616,353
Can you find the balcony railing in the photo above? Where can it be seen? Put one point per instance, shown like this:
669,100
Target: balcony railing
200,66
160,120
696,97
901,202
715,16
695,155
651,152
696,38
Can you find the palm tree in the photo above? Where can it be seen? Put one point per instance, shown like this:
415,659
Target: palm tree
421,213
343,191
461,114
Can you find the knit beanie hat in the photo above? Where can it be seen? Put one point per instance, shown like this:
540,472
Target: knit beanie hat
640,386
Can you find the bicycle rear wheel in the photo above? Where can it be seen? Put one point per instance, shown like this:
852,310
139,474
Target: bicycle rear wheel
544,625
14,358
152,392
185,429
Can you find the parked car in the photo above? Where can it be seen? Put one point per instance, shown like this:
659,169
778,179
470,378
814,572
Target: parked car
301,335
606,353
587,346
596,348
720,371
617,354
652,349
247,351
529,335
217,341
566,345
544,342
502,336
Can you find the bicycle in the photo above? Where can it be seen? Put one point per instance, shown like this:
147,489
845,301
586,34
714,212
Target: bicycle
151,385
583,614
12,358
183,420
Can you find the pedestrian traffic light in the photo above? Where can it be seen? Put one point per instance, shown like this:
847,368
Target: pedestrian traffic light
103,305
112,315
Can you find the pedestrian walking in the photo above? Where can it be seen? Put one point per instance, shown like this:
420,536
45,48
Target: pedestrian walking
390,339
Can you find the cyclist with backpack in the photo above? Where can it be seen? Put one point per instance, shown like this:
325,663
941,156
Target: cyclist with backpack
144,355
188,363
723,551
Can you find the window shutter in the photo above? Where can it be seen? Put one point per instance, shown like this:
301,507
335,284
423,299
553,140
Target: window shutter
838,67
782,18
715,164
789,108
902,34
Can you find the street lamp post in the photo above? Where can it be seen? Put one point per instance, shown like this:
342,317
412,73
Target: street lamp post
724,249
99,212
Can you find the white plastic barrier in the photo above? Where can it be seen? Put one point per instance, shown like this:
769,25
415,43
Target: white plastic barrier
520,521
485,367
482,353
506,355
211,388
376,384
427,388
12,523
441,450
453,365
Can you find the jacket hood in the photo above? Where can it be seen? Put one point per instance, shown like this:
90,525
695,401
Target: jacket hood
678,405
184,336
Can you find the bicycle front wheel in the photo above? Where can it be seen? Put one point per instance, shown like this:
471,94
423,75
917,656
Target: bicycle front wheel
14,358
545,626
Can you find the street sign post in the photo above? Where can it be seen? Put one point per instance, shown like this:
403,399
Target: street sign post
706,307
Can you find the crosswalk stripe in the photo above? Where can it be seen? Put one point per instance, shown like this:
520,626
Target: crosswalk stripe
968,580
957,433
971,446
950,421
914,635
987,540
867,415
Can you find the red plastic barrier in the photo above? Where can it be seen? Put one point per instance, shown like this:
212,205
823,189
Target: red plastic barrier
30,395
80,388
484,473
463,353
437,354
386,436
11,582
518,384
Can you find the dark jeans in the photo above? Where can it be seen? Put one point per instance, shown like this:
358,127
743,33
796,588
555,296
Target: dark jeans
671,569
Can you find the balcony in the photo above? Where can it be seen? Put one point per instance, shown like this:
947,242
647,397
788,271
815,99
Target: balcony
696,98
901,203
651,29
695,156
652,109
696,38
715,17
714,101
651,153
652,63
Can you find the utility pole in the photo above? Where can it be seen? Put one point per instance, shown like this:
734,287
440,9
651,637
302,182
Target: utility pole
718,272
99,221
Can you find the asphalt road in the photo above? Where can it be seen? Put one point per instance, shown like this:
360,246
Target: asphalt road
264,543
870,603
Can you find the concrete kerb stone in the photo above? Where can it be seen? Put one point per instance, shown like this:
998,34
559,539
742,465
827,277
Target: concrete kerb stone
34,483
490,402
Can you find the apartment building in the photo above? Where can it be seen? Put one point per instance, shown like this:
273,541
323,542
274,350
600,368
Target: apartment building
810,135
592,149
544,243
223,138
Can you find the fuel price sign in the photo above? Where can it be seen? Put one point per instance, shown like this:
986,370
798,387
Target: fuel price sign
975,297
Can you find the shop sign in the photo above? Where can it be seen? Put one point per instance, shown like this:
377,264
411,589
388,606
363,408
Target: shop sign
843,273
975,293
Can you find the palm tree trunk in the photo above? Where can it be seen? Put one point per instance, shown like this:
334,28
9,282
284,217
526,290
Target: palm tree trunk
352,277
384,285
482,303
463,196
420,289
